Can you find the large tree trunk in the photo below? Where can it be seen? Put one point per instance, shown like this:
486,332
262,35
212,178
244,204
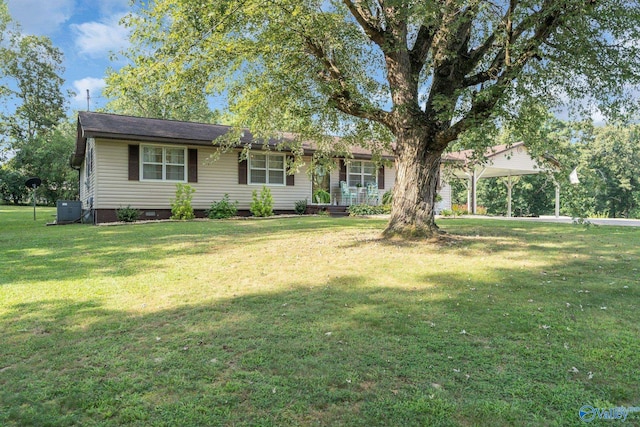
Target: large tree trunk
414,193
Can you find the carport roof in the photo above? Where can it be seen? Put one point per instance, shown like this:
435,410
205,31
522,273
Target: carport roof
499,160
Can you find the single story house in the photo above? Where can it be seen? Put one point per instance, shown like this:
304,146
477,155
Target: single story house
132,161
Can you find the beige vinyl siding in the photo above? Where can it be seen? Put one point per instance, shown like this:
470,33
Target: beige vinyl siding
215,178
389,179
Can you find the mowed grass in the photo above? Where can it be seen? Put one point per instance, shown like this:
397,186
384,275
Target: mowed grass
315,321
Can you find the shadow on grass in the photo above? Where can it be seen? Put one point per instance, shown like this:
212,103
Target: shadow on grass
342,353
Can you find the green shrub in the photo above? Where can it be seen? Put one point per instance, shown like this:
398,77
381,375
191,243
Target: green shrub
263,205
223,209
301,207
357,210
181,206
127,214
387,197
446,212
321,196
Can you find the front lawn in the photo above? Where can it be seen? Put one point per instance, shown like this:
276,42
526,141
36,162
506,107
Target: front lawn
315,321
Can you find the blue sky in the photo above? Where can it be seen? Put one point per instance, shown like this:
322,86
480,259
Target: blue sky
87,31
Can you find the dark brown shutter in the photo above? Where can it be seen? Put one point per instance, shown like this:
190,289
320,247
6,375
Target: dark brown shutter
343,170
242,169
134,163
381,178
192,171
291,179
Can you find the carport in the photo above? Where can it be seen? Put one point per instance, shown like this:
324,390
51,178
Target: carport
510,161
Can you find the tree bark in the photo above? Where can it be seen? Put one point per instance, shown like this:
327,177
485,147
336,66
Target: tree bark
414,193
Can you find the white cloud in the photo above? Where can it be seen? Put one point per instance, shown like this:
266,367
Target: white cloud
98,39
598,118
111,7
41,16
94,85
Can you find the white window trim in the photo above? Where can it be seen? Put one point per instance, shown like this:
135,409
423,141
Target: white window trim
268,155
361,173
89,162
164,163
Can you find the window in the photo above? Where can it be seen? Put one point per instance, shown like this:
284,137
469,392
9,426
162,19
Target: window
362,174
267,169
89,162
163,163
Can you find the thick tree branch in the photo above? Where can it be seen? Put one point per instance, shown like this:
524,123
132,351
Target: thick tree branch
370,24
341,93
422,46
541,25
451,47
503,72
485,101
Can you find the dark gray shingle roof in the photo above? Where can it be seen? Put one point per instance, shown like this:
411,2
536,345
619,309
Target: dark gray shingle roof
130,128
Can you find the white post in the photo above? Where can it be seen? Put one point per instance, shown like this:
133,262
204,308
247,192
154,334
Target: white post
475,179
509,186
473,192
469,197
557,200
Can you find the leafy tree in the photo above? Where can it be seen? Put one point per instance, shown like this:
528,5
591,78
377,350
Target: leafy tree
30,122
532,195
34,67
47,157
608,164
12,187
151,93
419,74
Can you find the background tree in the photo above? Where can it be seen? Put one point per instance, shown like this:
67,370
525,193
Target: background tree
533,195
12,189
149,93
32,136
47,157
608,165
33,67
415,73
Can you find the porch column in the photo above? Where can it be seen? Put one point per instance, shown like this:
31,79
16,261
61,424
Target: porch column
511,181
475,178
473,192
469,189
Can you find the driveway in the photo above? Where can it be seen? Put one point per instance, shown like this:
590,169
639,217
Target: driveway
568,220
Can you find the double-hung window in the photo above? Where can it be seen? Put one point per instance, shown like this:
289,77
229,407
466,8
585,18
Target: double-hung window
163,163
267,169
362,174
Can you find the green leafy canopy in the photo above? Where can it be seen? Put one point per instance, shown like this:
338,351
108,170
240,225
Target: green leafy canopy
359,68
